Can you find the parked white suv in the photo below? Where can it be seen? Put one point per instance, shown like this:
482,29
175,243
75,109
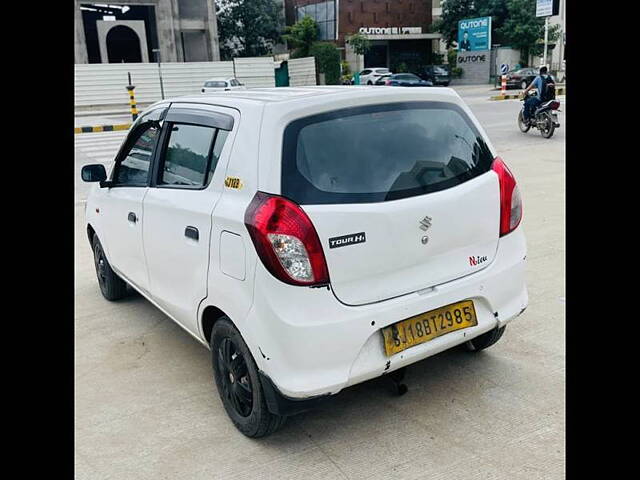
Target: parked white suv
312,238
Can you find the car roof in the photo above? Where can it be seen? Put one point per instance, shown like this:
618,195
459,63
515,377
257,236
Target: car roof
218,79
298,95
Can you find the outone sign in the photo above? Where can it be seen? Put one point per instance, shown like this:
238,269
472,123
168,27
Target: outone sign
474,34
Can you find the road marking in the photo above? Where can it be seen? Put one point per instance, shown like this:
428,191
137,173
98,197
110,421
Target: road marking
100,147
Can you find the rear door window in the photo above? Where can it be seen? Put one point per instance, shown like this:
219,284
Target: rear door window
191,155
216,84
379,153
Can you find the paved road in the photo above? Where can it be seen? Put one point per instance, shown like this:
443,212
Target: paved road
146,406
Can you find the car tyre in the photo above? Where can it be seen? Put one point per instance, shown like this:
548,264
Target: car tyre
239,387
111,285
369,82
485,340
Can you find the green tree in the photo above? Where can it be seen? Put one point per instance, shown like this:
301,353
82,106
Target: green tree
248,28
327,58
301,36
523,30
359,43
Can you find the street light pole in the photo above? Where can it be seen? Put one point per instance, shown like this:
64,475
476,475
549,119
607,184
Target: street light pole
546,38
157,51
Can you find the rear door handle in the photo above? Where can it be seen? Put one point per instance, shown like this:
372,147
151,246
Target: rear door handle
132,217
192,232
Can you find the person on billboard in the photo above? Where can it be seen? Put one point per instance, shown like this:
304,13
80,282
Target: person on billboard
465,46
545,88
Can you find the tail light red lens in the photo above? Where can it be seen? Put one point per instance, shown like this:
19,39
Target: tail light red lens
510,201
555,105
387,82
286,241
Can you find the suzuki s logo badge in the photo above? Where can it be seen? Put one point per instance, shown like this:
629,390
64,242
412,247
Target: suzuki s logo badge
425,223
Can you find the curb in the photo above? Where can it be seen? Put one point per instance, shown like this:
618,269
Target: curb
102,128
516,96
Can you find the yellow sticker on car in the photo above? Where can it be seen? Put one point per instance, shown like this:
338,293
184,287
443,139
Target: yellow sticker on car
233,182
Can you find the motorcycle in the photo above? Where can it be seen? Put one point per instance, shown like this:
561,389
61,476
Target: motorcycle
544,118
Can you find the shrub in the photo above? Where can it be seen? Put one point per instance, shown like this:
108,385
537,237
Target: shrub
457,72
327,58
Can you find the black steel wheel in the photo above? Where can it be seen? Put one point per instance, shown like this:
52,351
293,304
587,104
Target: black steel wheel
239,387
111,285
234,377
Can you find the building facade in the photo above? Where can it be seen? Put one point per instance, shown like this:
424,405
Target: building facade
398,29
137,30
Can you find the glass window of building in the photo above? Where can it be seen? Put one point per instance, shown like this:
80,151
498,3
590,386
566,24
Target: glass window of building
324,13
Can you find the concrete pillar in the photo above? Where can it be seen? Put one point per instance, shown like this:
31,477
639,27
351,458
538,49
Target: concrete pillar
166,28
356,62
211,32
80,42
176,30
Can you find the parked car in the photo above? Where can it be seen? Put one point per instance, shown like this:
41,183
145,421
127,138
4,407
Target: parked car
222,84
403,80
368,76
436,74
304,262
521,78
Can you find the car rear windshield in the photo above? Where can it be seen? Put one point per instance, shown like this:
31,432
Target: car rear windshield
379,153
219,84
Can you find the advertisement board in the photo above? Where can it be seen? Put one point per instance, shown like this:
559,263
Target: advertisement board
547,8
474,34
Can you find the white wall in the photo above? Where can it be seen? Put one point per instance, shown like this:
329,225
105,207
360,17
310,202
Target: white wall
104,83
255,71
302,71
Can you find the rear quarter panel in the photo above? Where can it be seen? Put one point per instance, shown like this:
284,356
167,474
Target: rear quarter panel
226,290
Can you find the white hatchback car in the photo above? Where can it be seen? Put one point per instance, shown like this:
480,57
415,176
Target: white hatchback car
369,76
222,85
312,238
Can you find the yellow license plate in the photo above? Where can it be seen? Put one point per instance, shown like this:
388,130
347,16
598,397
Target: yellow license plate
427,326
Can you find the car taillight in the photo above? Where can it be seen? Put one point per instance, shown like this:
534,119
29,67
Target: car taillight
387,82
286,240
510,201
555,105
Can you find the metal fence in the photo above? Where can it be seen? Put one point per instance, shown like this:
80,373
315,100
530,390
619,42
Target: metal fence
103,84
302,72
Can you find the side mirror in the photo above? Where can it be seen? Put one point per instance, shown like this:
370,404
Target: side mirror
94,173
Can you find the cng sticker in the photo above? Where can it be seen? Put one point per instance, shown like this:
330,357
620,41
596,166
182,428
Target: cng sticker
233,182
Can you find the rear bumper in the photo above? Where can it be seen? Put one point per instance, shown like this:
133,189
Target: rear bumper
310,345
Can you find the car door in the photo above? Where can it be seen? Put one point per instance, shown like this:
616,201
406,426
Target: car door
186,183
120,204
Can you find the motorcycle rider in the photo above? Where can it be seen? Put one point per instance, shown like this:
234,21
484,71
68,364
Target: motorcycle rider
532,102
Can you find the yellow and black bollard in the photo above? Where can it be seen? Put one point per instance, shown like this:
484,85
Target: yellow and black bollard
132,100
